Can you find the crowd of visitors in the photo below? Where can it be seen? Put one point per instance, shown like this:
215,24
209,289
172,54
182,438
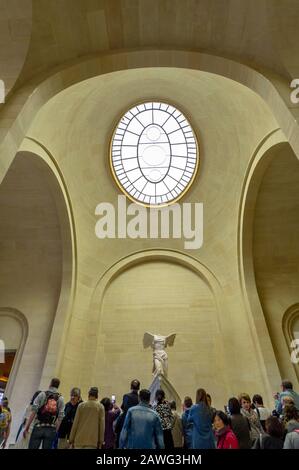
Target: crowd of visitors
139,424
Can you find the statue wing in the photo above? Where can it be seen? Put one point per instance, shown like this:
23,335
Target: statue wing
147,339
169,340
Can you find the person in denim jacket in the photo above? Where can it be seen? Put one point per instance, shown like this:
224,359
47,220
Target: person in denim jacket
142,427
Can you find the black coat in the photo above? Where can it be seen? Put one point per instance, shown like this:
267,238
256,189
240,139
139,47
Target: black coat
241,428
67,422
129,400
268,442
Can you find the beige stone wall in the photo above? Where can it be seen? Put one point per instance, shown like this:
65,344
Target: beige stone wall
76,127
159,297
11,331
68,289
15,33
65,29
276,249
94,319
18,113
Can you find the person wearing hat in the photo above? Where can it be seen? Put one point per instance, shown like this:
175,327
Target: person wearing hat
89,424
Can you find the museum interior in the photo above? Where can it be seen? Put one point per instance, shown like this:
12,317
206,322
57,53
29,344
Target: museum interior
119,111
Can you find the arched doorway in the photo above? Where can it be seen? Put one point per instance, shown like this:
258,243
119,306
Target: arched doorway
269,246
35,276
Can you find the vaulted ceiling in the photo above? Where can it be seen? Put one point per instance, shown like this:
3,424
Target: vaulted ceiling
261,33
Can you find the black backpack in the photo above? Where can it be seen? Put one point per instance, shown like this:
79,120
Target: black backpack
48,412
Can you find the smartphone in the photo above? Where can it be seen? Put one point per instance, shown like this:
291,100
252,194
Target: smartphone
226,409
113,399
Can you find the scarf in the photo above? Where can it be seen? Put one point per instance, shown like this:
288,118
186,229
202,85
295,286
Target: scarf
221,432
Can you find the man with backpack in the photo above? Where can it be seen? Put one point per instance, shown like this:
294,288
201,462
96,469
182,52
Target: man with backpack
48,409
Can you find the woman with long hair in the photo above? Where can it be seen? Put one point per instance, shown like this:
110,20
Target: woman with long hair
239,424
273,438
163,409
200,416
290,418
226,438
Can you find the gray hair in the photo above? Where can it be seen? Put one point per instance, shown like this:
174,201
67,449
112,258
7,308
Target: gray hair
76,392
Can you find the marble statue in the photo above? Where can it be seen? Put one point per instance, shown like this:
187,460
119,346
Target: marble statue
160,357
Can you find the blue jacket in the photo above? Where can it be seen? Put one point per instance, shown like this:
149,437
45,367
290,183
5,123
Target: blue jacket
202,433
187,429
142,429
287,393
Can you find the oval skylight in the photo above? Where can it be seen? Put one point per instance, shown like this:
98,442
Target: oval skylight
154,154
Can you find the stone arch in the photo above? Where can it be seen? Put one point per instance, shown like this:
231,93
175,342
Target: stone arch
267,153
138,257
38,266
58,187
205,275
39,90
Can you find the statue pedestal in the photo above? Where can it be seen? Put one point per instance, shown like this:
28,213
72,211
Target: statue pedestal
160,381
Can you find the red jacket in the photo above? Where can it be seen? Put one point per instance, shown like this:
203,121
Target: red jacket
227,440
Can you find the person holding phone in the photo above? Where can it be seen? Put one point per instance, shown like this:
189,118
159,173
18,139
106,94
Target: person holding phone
112,412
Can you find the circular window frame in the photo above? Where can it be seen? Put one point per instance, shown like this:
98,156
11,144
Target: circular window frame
181,110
